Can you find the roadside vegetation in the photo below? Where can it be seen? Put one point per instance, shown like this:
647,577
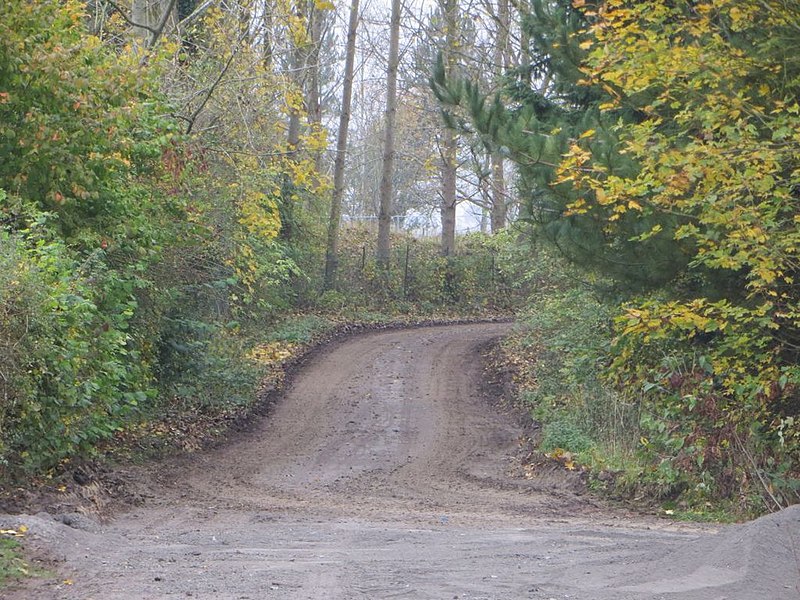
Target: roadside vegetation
14,564
171,232
662,163
151,277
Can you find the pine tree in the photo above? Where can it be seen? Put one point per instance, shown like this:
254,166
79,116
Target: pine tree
548,107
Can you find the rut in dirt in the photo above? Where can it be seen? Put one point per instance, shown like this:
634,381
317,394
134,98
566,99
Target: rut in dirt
385,471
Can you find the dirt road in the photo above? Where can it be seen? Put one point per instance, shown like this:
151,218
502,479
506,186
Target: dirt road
382,473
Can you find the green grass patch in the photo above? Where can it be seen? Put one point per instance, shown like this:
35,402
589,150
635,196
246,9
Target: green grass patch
708,514
13,565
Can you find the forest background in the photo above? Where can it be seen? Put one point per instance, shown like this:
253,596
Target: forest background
190,191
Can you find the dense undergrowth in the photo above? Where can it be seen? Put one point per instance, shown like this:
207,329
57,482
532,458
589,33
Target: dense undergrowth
225,376
660,157
639,442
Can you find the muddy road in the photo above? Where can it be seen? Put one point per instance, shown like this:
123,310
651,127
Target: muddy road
384,472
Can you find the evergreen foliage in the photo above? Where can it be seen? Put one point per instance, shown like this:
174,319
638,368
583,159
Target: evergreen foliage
535,120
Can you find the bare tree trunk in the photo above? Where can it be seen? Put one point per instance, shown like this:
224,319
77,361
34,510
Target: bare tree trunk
486,200
293,132
332,250
499,206
150,18
386,188
449,172
449,149
499,211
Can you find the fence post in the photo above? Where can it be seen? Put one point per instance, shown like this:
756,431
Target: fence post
492,272
405,273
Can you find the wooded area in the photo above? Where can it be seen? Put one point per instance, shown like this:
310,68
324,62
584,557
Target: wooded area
179,178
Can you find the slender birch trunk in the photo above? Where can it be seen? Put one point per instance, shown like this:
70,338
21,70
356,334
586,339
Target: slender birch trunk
386,187
332,250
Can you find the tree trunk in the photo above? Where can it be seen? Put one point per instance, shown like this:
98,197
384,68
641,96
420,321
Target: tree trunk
498,175
449,171
449,149
313,90
499,206
386,187
332,250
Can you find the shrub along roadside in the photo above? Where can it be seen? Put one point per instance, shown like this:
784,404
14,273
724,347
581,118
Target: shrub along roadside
14,564
648,444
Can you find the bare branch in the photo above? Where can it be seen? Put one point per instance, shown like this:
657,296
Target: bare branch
214,85
160,28
128,20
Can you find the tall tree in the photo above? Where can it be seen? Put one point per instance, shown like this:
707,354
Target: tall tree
536,123
332,249
449,145
387,187
499,207
715,85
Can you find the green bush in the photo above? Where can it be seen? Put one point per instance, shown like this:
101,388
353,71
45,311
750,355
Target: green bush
71,376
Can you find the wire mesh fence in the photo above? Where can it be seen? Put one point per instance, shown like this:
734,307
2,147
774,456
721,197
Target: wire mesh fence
416,273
